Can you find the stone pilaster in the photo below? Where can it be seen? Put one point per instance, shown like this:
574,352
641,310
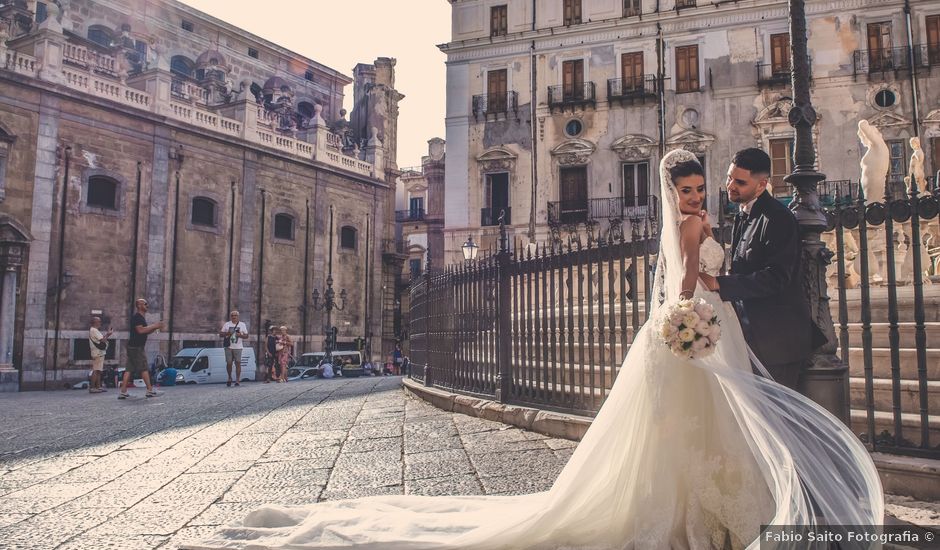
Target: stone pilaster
37,285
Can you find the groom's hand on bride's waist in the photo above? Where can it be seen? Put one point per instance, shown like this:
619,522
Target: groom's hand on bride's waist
710,282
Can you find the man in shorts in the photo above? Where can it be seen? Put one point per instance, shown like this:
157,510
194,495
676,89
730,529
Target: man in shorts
96,339
136,358
233,333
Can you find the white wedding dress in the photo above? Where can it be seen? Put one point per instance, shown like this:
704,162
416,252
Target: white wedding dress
684,454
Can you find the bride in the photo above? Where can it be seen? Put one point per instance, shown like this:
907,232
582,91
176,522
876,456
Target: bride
684,454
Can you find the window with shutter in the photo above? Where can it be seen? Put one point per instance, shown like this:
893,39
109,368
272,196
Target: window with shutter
498,20
687,69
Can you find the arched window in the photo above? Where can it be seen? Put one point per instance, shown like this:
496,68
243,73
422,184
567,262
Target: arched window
204,212
347,237
100,35
102,193
284,227
305,108
182,65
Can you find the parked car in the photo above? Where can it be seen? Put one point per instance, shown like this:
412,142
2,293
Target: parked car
207,366
353,369
303,373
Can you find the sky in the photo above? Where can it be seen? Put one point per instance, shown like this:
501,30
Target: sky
340,34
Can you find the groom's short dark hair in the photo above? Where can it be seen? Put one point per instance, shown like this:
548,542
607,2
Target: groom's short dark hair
752,159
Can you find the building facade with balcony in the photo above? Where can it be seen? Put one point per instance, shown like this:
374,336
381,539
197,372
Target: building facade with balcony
559,111
165,154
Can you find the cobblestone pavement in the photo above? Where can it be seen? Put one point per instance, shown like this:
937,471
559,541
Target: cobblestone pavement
81,471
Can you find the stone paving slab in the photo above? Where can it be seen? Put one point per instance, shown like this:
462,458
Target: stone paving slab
83,471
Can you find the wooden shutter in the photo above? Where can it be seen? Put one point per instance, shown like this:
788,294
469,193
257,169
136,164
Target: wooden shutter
780,53
687,69
496,91
781,152
498,20
572,11
933,39
879,44
573,79
631,69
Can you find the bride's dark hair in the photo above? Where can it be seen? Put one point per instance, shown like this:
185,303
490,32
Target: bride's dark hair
685,169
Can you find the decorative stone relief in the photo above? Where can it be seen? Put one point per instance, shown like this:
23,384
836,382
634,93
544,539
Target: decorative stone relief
691,140
573,152
633,147
497,159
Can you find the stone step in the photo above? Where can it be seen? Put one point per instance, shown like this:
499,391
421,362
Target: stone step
910,395
881,363
884,422
906,335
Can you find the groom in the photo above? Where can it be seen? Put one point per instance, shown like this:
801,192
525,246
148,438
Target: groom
764,279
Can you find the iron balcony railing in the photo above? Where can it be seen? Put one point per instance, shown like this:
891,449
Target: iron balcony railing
393,246
490,216
894,59
412,215
772,75
685,4
609,208
494,104
638,87
570,96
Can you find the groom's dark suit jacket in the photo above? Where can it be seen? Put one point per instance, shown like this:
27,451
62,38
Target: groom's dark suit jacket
764,286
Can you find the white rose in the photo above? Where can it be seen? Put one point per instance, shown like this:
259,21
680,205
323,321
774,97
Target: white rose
703,328
700,344
691,319
704,310
676,317
686,335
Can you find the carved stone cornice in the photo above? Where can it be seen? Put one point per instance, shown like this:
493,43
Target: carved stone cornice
633,147
497,159
573,152
691,140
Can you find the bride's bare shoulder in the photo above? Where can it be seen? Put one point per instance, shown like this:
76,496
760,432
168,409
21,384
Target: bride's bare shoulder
690,223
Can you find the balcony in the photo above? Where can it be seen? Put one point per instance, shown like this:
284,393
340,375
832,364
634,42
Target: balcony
680,4
632,89
413,215
609,208
490,216
886,60
769,75
487,105
571,96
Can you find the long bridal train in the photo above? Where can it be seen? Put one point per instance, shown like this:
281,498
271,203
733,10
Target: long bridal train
682,455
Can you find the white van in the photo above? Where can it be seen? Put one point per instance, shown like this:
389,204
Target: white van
207,365
353,369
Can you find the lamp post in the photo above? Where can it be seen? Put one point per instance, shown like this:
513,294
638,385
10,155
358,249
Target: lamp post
470,249
329,298
329,304
826,379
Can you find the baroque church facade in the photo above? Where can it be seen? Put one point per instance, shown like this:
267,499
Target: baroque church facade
559,111
162,153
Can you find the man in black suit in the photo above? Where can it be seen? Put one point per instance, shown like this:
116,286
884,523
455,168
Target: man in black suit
764,280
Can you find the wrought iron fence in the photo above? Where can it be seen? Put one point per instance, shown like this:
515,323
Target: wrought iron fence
892,381
771,75
545,326
894,59
549,326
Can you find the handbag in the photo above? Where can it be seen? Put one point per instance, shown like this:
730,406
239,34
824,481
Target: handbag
102,345
279,347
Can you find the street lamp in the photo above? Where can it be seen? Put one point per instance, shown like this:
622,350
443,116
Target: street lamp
470,249
826,380
329,304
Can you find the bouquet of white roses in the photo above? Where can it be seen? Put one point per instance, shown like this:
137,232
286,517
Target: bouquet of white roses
691,328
